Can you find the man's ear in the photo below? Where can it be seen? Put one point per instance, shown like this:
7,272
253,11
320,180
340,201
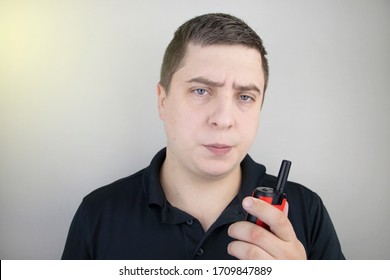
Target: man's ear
161,95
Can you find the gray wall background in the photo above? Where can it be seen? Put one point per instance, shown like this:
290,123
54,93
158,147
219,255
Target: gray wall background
78,107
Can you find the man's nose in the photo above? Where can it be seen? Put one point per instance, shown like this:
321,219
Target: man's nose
222,115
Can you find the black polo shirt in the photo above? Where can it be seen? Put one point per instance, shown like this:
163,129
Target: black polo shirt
131,219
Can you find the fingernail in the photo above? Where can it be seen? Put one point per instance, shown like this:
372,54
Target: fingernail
228,248
247,202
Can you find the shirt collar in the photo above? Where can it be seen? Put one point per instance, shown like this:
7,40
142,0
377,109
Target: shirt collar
252,176
151,180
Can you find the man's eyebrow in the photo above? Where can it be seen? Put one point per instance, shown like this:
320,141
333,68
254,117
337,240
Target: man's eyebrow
205,81
250,87
208,82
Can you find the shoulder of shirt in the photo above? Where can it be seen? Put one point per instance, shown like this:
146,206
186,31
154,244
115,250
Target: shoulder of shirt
116,190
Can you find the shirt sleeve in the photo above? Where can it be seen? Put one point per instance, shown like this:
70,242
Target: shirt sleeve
324,243
76,246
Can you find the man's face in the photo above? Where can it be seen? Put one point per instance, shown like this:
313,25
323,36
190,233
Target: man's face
211,112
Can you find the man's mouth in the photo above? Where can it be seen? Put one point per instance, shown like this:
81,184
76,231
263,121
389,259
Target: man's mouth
218,149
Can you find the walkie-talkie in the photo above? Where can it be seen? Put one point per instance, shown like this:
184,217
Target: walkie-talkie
274,196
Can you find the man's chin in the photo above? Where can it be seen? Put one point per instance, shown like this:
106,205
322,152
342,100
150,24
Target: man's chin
217,169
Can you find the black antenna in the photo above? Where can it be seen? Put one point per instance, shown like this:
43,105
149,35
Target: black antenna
282,177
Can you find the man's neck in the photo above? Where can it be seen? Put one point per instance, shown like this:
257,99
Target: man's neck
202,197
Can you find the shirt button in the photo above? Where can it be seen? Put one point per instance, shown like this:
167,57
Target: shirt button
200,252
190,222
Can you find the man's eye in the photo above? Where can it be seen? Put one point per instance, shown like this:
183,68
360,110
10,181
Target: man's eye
245,98
200,91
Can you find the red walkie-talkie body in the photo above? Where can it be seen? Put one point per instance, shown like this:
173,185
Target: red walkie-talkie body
274,196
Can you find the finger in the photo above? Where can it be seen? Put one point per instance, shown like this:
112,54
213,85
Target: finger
258,236
268,245
247,251
251,233
285,210
273,217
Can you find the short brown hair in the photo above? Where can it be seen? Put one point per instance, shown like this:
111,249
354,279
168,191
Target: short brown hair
209,29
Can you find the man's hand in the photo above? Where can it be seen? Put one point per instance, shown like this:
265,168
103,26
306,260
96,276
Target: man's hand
254,242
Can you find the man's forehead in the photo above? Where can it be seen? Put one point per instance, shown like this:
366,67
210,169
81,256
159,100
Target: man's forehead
207,63
222,54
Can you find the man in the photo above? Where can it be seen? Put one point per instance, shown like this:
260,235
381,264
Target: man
191,202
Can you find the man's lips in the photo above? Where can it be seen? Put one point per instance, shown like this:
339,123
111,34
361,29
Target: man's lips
218,149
